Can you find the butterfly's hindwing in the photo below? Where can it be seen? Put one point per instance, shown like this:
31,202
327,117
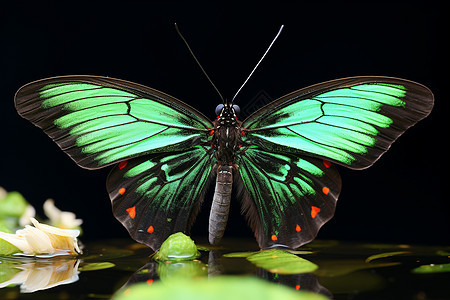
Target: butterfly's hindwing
100,121
287,198
350,121
156,195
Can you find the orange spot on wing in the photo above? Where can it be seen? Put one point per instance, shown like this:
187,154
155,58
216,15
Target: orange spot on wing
298,228
122,164
122,191
150,281
211,132
297,287
274,237
132,211
314,211
150,229
326,163
325,190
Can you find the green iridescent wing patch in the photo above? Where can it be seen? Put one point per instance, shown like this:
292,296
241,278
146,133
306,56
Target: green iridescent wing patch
156,195
350,121
100,121
286,198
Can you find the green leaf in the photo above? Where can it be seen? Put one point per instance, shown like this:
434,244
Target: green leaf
177,247
432,268
96,266
282,262
247,254
300,252
13,205
5,247
239,254
217,288
387,254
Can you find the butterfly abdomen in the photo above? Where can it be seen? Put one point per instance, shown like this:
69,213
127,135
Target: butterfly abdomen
221,204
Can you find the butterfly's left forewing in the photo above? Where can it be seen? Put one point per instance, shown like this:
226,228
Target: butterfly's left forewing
99,121
156,195
287,198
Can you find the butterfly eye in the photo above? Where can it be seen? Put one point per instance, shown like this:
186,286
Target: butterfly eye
237,109
219,109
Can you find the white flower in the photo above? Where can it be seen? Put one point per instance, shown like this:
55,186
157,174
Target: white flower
36,275
43,239
58,218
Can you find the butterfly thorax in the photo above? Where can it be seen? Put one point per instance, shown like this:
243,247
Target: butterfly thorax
227,136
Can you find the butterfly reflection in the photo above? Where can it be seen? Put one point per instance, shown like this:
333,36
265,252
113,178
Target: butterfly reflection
154,271
35,275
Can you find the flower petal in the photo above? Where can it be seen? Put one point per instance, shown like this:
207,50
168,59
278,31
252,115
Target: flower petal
61,239
18,241
39,242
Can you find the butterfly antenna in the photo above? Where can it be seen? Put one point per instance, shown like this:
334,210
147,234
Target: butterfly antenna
264,55
198,63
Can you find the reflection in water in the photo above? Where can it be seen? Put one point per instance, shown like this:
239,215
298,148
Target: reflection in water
214,264
303,281
154,271
35,275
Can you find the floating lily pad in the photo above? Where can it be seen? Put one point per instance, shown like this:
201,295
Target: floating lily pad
429,269
300,252
277,261
387,254
240,254
218,288
96,266
247,254
177,247
204,247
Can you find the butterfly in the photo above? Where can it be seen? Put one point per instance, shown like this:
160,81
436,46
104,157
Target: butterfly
281,158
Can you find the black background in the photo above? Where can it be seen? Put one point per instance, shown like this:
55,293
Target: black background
402,198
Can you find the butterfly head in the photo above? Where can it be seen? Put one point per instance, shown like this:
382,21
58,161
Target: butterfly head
227,113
